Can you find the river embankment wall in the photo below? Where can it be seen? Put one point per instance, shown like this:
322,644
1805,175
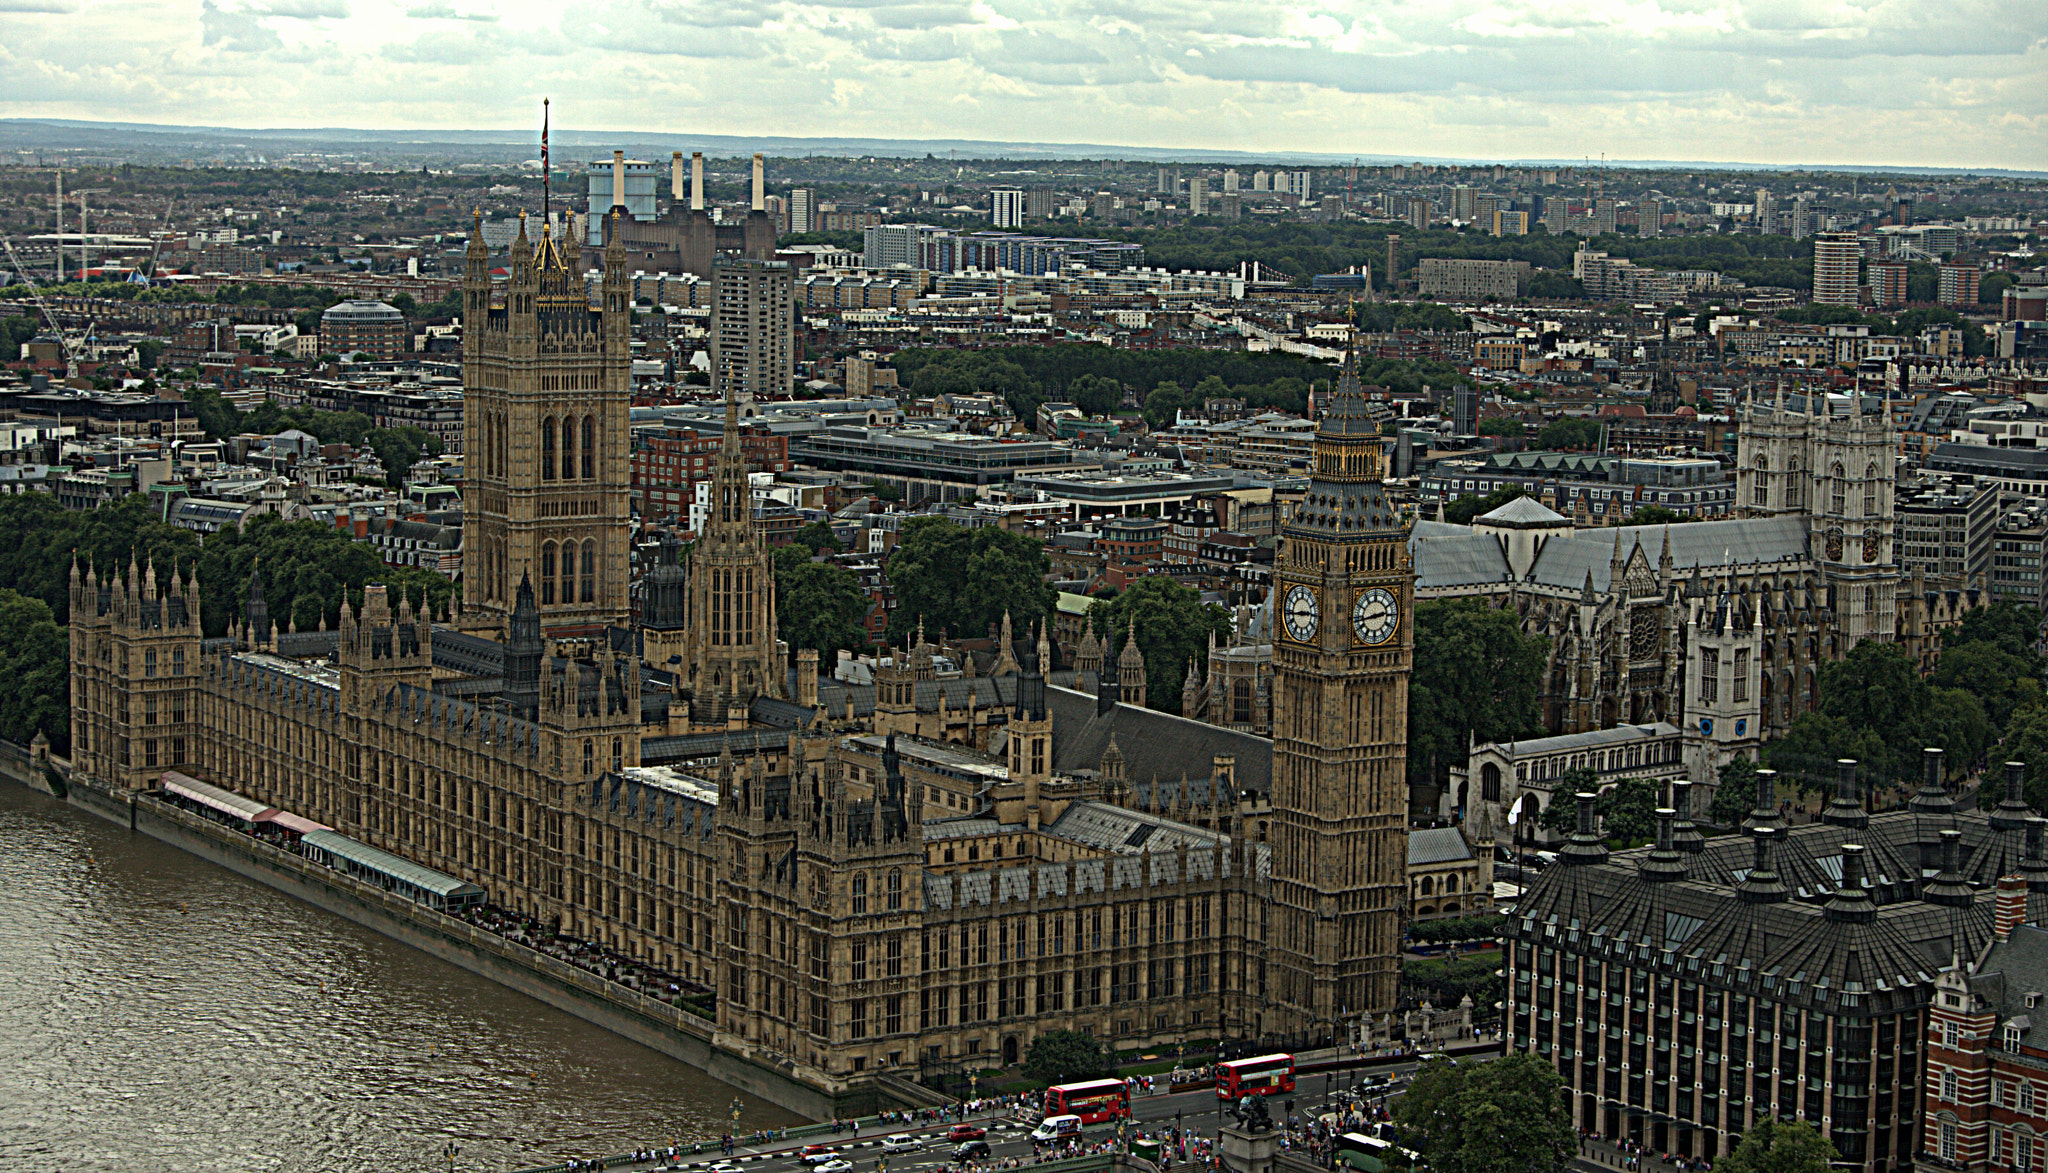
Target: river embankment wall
652,1023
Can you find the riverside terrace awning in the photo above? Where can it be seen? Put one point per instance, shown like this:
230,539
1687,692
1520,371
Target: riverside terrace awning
390,872
296,824
213,798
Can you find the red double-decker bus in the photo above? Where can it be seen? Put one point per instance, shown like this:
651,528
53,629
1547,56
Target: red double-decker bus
1262,1075
1095,1101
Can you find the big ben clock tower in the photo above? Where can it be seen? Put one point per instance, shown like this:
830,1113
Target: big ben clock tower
1341,659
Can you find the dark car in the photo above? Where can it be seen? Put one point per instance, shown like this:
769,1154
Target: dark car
973,1150
966,1132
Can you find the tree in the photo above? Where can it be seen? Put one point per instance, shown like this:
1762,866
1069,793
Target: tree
35,662
1805,755
1561,817
1549,283
1174,626
818,605
959,580
1781,1146
1507,1116
1658,515
1575,435
1626,811
2027,741
1734,793
1476,676
1502,425
1095,395
817,537
1064,1056
1165,400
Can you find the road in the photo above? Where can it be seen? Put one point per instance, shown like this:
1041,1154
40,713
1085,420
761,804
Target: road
1197,1110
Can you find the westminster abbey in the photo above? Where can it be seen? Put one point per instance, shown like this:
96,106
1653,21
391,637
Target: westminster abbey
930,869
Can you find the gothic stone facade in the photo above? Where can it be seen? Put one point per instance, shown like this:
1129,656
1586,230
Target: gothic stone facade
921,871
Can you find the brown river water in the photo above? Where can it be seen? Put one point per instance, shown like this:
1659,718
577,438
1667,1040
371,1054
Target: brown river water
160,1013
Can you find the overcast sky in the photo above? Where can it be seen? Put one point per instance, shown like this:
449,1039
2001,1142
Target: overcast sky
1909,82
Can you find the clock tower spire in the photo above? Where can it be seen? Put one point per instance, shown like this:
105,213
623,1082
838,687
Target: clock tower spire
1341,661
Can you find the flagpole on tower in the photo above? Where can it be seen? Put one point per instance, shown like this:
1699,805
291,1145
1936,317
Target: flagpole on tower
547,175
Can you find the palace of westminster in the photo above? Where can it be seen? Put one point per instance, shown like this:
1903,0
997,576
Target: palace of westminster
926,869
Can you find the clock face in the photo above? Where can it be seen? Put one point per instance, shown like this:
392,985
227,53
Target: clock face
1871,544
1300,612
1376,616
1834,545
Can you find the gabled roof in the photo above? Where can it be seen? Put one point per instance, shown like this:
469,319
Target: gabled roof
1157,747
1430,845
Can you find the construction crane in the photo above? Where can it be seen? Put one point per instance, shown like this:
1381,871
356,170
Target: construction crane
49,315
156,246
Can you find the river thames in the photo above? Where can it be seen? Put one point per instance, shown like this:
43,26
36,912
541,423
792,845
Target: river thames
161,1013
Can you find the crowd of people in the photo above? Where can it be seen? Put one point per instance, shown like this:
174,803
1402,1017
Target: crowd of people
1631,1157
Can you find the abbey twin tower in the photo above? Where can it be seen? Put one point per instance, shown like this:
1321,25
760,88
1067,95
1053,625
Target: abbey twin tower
930,869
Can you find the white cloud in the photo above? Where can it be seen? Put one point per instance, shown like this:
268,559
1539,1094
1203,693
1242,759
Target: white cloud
1789,81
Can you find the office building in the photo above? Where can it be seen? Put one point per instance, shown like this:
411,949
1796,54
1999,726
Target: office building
753,329
1690,991
1947,525
1958,284
1604,213
803,209
2019,555
1888,283
1006,207
1457,279
1650,218
1837,257
369,328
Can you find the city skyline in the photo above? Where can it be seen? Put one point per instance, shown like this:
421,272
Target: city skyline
1793,84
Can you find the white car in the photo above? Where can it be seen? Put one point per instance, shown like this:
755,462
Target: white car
899,1143
815,1159
836,1166
724,1167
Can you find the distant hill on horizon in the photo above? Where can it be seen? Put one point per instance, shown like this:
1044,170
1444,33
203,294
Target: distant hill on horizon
154,142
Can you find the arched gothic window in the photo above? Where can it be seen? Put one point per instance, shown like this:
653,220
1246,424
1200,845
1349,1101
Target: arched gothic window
547,573
547,449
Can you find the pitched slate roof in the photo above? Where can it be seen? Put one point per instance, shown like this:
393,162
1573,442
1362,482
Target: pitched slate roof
1428,845
1157,747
